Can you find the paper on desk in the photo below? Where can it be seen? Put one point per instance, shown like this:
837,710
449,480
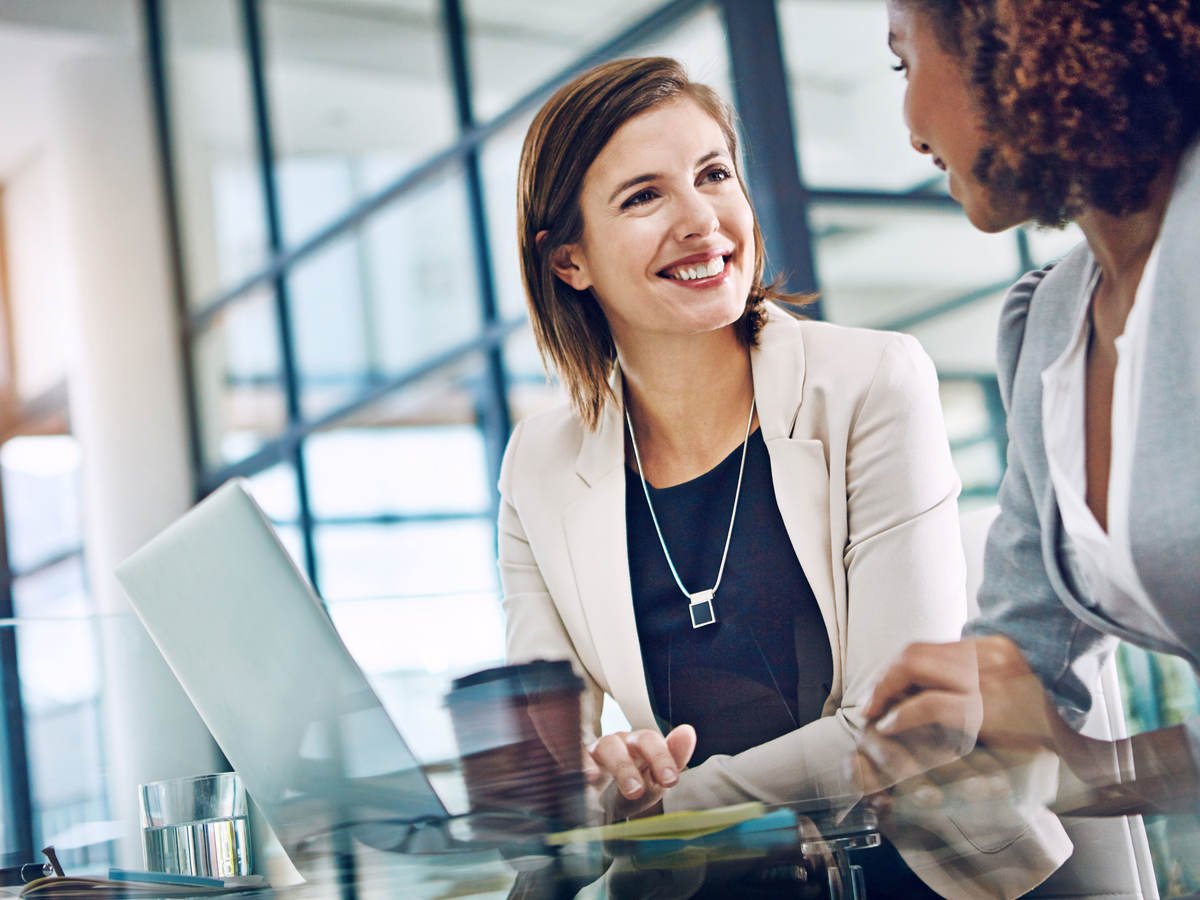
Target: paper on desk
677,826
58,887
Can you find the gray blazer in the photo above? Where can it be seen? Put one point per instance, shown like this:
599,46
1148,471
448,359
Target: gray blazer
1030,589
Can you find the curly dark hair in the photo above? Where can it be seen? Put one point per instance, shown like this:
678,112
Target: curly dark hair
1084,100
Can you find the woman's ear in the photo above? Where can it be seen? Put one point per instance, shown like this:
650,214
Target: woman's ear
570,264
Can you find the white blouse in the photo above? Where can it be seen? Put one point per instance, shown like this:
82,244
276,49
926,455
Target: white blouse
1102,561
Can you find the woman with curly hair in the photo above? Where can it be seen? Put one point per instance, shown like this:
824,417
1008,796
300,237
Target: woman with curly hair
1082,111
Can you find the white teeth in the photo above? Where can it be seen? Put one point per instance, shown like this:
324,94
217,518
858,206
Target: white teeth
705,270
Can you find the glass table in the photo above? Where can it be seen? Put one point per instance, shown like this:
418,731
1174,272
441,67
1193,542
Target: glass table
91,711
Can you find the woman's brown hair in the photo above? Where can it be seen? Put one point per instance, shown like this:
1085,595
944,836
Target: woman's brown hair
565,138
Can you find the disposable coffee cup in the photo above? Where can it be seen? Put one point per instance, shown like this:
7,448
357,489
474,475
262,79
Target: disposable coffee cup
196,826
518,734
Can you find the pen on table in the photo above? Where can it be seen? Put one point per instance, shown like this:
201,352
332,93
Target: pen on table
24,873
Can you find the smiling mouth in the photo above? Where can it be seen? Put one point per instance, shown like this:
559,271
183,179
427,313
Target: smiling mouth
938,162
696,271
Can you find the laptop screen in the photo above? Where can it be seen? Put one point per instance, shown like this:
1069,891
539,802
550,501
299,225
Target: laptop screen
254,649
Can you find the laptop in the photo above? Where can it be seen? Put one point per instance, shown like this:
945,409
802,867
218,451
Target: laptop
258,656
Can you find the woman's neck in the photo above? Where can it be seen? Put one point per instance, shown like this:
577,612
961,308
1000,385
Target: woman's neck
689,401
1122,244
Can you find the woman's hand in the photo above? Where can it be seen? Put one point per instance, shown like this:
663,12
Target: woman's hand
924,712
642,764
938,700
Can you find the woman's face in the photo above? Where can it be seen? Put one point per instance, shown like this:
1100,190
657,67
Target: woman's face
668,235
943,121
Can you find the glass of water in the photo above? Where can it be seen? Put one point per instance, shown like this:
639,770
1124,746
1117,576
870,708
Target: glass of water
196,826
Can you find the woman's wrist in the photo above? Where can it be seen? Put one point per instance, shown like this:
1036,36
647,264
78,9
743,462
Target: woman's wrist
1094,761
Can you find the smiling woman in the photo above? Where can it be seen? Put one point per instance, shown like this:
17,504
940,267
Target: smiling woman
741,515
669,253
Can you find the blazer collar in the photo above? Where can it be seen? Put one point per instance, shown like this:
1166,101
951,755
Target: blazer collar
777,365
603,448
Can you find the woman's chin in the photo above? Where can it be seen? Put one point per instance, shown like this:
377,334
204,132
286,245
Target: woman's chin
988,216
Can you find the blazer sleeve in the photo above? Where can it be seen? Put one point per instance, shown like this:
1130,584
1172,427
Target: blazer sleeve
1016,598
533,629
904,582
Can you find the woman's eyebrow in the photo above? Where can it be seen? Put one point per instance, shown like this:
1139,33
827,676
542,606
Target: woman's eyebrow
632,182
652,176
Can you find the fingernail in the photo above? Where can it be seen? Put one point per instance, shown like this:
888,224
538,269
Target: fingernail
669,776
630,787
888,723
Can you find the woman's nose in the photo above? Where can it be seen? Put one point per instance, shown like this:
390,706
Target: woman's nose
919,145
697,218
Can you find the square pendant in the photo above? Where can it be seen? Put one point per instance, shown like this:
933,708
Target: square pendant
701,609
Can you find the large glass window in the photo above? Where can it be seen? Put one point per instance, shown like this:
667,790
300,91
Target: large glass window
56,648
518,45
216,171
498,161
846,100
347,82
238,376
400,493
377,303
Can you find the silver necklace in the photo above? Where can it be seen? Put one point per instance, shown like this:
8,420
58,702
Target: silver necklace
700,603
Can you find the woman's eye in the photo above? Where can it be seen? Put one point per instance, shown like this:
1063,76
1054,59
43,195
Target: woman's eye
718,174
639,198
901,66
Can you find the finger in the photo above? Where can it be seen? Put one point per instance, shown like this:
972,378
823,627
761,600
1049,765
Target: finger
611,753
595,776
944,715
901,759
681,741
653,756
950,667
886,761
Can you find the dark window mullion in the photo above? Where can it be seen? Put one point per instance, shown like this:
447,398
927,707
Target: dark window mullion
252,27
494,411
19,811
761,88
159,86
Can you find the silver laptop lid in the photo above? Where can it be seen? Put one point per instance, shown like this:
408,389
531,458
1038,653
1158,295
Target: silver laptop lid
254,649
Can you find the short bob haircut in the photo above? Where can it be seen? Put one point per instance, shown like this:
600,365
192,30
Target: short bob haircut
1084,102
565,138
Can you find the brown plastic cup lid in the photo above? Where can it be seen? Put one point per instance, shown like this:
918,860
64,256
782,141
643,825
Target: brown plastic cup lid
506,682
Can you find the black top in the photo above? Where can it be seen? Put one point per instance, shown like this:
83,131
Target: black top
765,667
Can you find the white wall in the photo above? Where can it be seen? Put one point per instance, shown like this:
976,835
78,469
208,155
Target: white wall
33,243
126,396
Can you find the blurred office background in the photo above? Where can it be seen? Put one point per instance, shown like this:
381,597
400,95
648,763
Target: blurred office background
275,239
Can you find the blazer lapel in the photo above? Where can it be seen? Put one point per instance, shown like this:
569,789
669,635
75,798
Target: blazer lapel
595,532
799,471
1164,526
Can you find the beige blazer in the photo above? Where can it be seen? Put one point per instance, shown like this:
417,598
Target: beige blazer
867,491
